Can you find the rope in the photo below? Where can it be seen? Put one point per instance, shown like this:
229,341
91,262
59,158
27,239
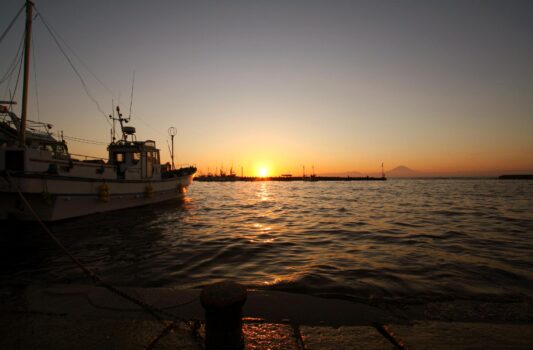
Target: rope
11,24
16,63
77,139
85,87
161,133
195,328
83,63
152,310
55,36
13,64
131,96
161,335
12,97
298,335
388,334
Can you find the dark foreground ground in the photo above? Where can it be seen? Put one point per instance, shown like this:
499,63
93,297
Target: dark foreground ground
86,317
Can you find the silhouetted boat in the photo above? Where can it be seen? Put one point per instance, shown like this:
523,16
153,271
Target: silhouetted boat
39,175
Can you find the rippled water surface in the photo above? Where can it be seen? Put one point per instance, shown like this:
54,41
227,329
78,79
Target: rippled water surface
394,240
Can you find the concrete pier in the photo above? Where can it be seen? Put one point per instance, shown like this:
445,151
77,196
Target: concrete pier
86,317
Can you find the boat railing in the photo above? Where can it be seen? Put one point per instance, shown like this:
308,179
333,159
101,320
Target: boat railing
34,127
86,158
42,134
6,118
185,165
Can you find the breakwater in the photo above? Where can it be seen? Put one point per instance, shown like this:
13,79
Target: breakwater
516,177
207,178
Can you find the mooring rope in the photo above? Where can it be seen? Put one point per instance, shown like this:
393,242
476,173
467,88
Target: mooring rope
193,325
388,334
152,310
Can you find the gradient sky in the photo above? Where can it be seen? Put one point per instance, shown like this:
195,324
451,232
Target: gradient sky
439,86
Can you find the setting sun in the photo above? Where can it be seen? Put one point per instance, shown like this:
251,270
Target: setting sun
262,171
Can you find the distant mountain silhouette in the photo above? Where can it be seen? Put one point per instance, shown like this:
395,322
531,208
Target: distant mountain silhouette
403,171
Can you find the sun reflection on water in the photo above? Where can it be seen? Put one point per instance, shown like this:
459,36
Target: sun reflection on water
261,230
263,193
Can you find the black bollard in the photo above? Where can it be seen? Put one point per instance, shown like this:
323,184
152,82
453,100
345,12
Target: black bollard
223,303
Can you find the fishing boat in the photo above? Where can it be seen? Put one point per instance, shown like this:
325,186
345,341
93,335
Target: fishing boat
41,180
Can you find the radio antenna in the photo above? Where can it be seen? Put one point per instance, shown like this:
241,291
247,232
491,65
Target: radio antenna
172,132
131,96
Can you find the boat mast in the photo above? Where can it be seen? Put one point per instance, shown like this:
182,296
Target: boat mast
27,46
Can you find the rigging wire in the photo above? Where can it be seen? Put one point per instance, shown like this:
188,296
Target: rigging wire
81,140
161,133
17,60
83,63
131,96
16,63
151,127
12,23
57,38
13,64
12,97
137,117
85,87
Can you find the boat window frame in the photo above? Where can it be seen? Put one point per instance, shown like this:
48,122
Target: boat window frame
115,157
135,157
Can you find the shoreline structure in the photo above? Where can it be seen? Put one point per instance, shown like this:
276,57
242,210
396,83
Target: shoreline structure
230,178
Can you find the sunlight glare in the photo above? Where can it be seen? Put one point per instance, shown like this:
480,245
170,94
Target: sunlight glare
263,172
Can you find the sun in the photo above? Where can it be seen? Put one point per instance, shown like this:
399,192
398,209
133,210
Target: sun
262,171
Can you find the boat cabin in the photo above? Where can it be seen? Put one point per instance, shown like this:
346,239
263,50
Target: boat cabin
135,160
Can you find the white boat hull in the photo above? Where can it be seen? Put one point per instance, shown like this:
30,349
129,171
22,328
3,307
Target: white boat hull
58,197
41,180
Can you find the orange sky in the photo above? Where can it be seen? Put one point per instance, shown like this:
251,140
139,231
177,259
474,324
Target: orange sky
440,87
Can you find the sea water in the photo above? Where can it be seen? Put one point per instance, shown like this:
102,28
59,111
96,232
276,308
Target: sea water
410,240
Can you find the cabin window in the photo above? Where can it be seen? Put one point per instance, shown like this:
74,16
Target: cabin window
119,157
135,157
60,150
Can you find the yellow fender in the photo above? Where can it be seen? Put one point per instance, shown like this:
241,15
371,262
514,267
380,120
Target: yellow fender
47,197
103,193
149,193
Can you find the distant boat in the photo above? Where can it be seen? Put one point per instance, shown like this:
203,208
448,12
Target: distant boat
39,177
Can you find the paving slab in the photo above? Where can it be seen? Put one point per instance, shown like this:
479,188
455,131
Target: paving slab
271,336
87,317
90,301
277,306
56,332
463,335
272,306
343,338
